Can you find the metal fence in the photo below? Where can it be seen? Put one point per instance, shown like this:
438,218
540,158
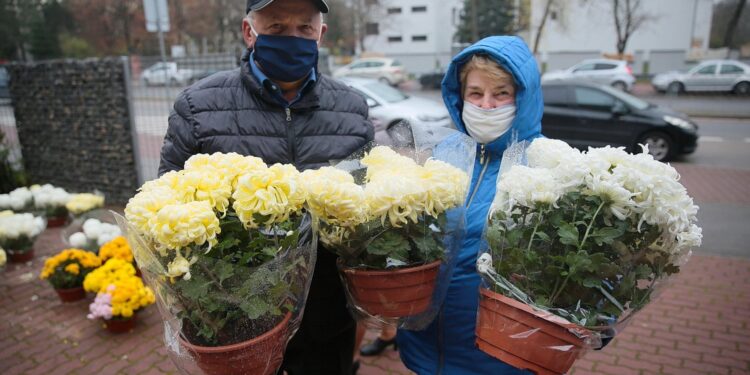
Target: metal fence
154,85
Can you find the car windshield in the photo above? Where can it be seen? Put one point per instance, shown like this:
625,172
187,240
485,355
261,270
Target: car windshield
627,98
388,93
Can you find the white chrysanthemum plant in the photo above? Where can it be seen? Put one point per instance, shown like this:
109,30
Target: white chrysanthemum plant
228,250
585,237
18,200
93,234
3,258
390,211
51,200
19,230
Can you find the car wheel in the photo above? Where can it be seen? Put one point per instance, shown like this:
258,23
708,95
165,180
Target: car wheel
385,80
620,85
659,145
742,88
675,88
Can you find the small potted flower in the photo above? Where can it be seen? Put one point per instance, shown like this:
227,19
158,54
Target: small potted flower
121,295
578,243
390,234
18,200
80,204
52,201
112,270
17,234
91,234
67,270
120,249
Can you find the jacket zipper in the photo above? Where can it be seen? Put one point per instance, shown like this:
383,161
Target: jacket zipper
441,355
290,134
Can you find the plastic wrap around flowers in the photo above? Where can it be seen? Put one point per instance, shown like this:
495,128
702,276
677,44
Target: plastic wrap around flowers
229,254
394,218
580,241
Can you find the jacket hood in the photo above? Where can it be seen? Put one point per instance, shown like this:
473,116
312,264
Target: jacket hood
514,56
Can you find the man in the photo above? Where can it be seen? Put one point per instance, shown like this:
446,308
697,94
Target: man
277,106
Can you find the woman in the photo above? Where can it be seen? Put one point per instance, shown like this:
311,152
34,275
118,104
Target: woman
493,93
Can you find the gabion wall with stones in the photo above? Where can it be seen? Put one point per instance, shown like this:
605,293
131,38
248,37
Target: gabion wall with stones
73,124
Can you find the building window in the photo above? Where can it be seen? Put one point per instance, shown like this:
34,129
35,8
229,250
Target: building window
394,39
419,9
372,28
371,2
419,38
394,10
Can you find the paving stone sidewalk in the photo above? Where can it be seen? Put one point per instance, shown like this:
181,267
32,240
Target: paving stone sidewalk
700,324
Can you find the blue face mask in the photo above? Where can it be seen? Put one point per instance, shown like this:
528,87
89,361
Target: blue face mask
285,58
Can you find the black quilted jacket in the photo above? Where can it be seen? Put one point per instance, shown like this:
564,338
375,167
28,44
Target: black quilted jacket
232,112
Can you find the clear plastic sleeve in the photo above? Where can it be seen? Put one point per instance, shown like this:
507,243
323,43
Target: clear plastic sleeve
92,236
394,214
230,261
576,243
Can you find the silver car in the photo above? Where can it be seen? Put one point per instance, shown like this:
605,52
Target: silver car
713,75
615,73
391,106
383,69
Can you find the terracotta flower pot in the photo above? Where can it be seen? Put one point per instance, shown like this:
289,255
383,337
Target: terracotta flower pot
58,221
261,355
393,294
20,256
522,337
119,325
71,294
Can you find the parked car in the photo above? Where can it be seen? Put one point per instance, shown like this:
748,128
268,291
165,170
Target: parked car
167,73
615,73
383,69
391,106
713,75
586,114
4,83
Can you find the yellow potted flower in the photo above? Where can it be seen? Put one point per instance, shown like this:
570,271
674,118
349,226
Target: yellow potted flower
67,270
120,294
82,203
228,252
390,234
118,248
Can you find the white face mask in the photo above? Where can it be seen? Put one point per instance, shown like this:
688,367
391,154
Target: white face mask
487,125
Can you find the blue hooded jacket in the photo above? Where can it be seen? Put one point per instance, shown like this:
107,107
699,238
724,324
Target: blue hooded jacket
447,346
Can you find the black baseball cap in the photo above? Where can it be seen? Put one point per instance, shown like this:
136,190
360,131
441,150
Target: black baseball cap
256,5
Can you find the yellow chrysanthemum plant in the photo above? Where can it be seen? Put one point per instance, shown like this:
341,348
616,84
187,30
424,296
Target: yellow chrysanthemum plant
394,216
84,202
67,269
226,246
119,293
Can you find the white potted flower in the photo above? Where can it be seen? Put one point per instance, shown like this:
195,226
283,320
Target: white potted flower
17,200
52,200
91,235
17,234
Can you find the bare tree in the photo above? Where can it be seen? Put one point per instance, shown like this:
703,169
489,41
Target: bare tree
540,28
629,17
729,36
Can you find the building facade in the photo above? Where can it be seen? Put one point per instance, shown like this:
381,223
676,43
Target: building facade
675,33
419,33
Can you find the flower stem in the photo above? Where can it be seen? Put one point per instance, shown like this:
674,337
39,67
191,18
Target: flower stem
591,223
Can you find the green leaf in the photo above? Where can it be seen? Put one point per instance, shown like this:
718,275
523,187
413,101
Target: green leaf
224,270
568,234
255,307
389,244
